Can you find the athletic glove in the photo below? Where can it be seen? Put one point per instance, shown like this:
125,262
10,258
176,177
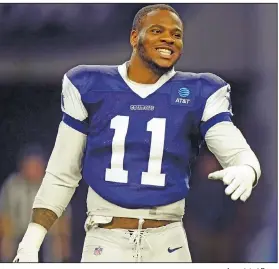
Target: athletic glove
240,180
26,254
28,249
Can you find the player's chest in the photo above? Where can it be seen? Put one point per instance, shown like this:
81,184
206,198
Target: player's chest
172,101
172,111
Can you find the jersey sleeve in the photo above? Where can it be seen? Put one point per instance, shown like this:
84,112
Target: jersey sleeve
230,147
63,171
74,111
218,107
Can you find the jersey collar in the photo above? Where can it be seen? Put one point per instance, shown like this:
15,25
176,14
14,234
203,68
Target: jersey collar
144,90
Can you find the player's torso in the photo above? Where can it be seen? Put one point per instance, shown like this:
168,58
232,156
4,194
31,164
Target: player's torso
138,149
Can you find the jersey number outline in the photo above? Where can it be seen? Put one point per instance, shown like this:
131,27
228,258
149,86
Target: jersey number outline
153,176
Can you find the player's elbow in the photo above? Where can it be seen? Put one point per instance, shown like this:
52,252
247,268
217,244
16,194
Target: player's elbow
55,194
68,180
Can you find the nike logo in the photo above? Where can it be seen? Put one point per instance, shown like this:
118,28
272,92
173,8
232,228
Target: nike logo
171,250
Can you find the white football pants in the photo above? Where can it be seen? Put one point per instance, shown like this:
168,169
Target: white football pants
163,244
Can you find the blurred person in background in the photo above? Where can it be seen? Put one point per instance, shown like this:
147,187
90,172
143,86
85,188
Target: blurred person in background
131,131
16,199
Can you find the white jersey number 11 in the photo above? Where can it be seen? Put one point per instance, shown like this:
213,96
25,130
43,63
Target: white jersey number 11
153,176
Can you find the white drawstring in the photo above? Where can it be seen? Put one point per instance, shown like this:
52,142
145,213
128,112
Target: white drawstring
137,237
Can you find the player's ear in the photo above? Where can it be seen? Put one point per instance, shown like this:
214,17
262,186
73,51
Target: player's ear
134,38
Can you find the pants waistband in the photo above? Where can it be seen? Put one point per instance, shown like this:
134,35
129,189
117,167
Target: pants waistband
131,223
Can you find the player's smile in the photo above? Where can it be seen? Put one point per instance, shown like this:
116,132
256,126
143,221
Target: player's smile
165,52
165,55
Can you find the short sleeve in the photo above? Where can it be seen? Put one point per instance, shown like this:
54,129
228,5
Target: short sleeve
71,102
218,102
218,108
74,111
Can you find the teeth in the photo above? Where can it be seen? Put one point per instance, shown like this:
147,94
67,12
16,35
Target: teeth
164,51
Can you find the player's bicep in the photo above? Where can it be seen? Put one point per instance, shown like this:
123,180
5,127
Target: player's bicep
63,171
74,111
225,141
218,108
230,147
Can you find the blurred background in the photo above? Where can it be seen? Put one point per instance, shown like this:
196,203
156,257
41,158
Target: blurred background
40,42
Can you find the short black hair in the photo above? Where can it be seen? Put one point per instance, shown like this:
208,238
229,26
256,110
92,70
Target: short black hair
147,9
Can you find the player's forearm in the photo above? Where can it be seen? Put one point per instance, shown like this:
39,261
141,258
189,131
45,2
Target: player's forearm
41,221
44,217
49,204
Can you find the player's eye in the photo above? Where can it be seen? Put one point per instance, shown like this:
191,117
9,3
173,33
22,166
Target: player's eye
178,35
156,31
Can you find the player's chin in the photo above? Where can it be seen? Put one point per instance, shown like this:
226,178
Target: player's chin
165,63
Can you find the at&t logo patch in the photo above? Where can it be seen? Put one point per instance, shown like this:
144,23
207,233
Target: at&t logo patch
182,101
183,93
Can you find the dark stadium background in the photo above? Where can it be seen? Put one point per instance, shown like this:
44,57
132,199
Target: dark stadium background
40,42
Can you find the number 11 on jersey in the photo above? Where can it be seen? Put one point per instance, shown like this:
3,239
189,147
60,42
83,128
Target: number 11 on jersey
153,176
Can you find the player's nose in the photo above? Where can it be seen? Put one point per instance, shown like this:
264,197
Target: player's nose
167,39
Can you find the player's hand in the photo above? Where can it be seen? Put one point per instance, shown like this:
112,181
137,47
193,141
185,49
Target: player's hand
28,249
26,254
239,179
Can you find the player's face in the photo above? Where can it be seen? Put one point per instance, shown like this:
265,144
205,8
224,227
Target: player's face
160,39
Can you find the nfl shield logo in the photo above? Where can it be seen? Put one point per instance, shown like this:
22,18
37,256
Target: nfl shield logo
98,251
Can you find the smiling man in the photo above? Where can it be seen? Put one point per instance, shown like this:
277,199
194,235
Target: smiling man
131,132
157,41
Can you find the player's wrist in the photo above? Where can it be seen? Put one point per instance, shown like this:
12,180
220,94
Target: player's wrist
253,173
34,236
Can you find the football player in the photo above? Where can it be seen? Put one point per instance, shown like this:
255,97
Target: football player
131,132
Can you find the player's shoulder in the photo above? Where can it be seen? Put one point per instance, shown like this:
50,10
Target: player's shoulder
87,71
211,80
205,79
83,76
207,83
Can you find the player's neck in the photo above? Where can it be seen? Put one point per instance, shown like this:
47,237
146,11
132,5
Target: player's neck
138,72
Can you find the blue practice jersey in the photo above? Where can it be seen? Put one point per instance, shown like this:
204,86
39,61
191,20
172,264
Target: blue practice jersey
139,150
